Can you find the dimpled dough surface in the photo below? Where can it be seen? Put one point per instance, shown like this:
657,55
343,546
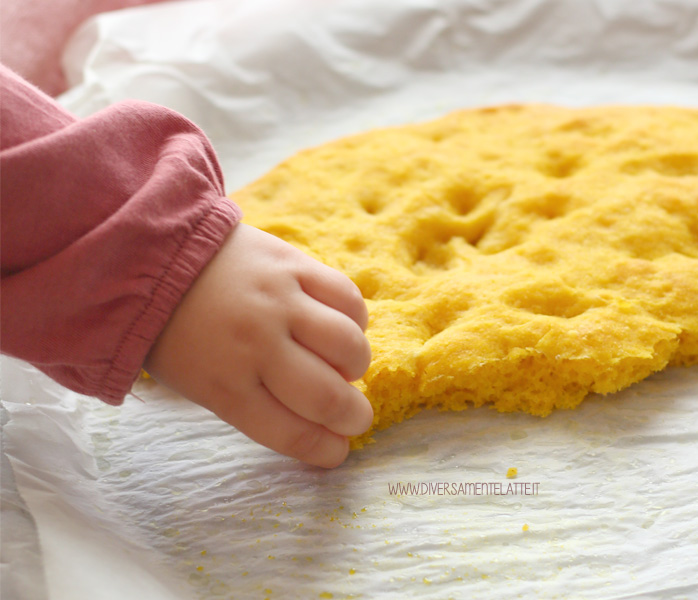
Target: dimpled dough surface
519,256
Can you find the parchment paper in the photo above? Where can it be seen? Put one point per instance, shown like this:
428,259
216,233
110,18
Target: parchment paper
157,499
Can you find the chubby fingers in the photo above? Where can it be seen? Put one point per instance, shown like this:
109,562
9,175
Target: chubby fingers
336,290
333,336
311,388
269,422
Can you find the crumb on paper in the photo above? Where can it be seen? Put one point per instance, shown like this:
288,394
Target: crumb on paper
512,472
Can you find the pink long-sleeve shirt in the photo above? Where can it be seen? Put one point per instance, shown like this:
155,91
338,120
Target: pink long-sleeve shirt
105,224
34,33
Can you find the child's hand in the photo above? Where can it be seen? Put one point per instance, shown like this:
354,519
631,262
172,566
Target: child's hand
268,338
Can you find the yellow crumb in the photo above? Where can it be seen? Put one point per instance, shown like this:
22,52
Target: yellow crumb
512,472
525,527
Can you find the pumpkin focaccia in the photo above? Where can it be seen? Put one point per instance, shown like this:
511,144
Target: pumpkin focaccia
521,256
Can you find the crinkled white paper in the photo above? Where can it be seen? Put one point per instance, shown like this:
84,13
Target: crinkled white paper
158,499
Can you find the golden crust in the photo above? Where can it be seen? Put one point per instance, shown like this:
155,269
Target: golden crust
519,256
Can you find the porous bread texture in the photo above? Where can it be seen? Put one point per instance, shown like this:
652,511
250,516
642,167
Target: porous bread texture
518,256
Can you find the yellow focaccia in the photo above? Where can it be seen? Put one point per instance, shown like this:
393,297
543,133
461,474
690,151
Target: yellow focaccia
519,256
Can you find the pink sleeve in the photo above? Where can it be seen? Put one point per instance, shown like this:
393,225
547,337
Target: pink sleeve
35,32
106,222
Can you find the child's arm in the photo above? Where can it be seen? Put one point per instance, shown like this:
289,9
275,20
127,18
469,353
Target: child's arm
106,224
267,339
